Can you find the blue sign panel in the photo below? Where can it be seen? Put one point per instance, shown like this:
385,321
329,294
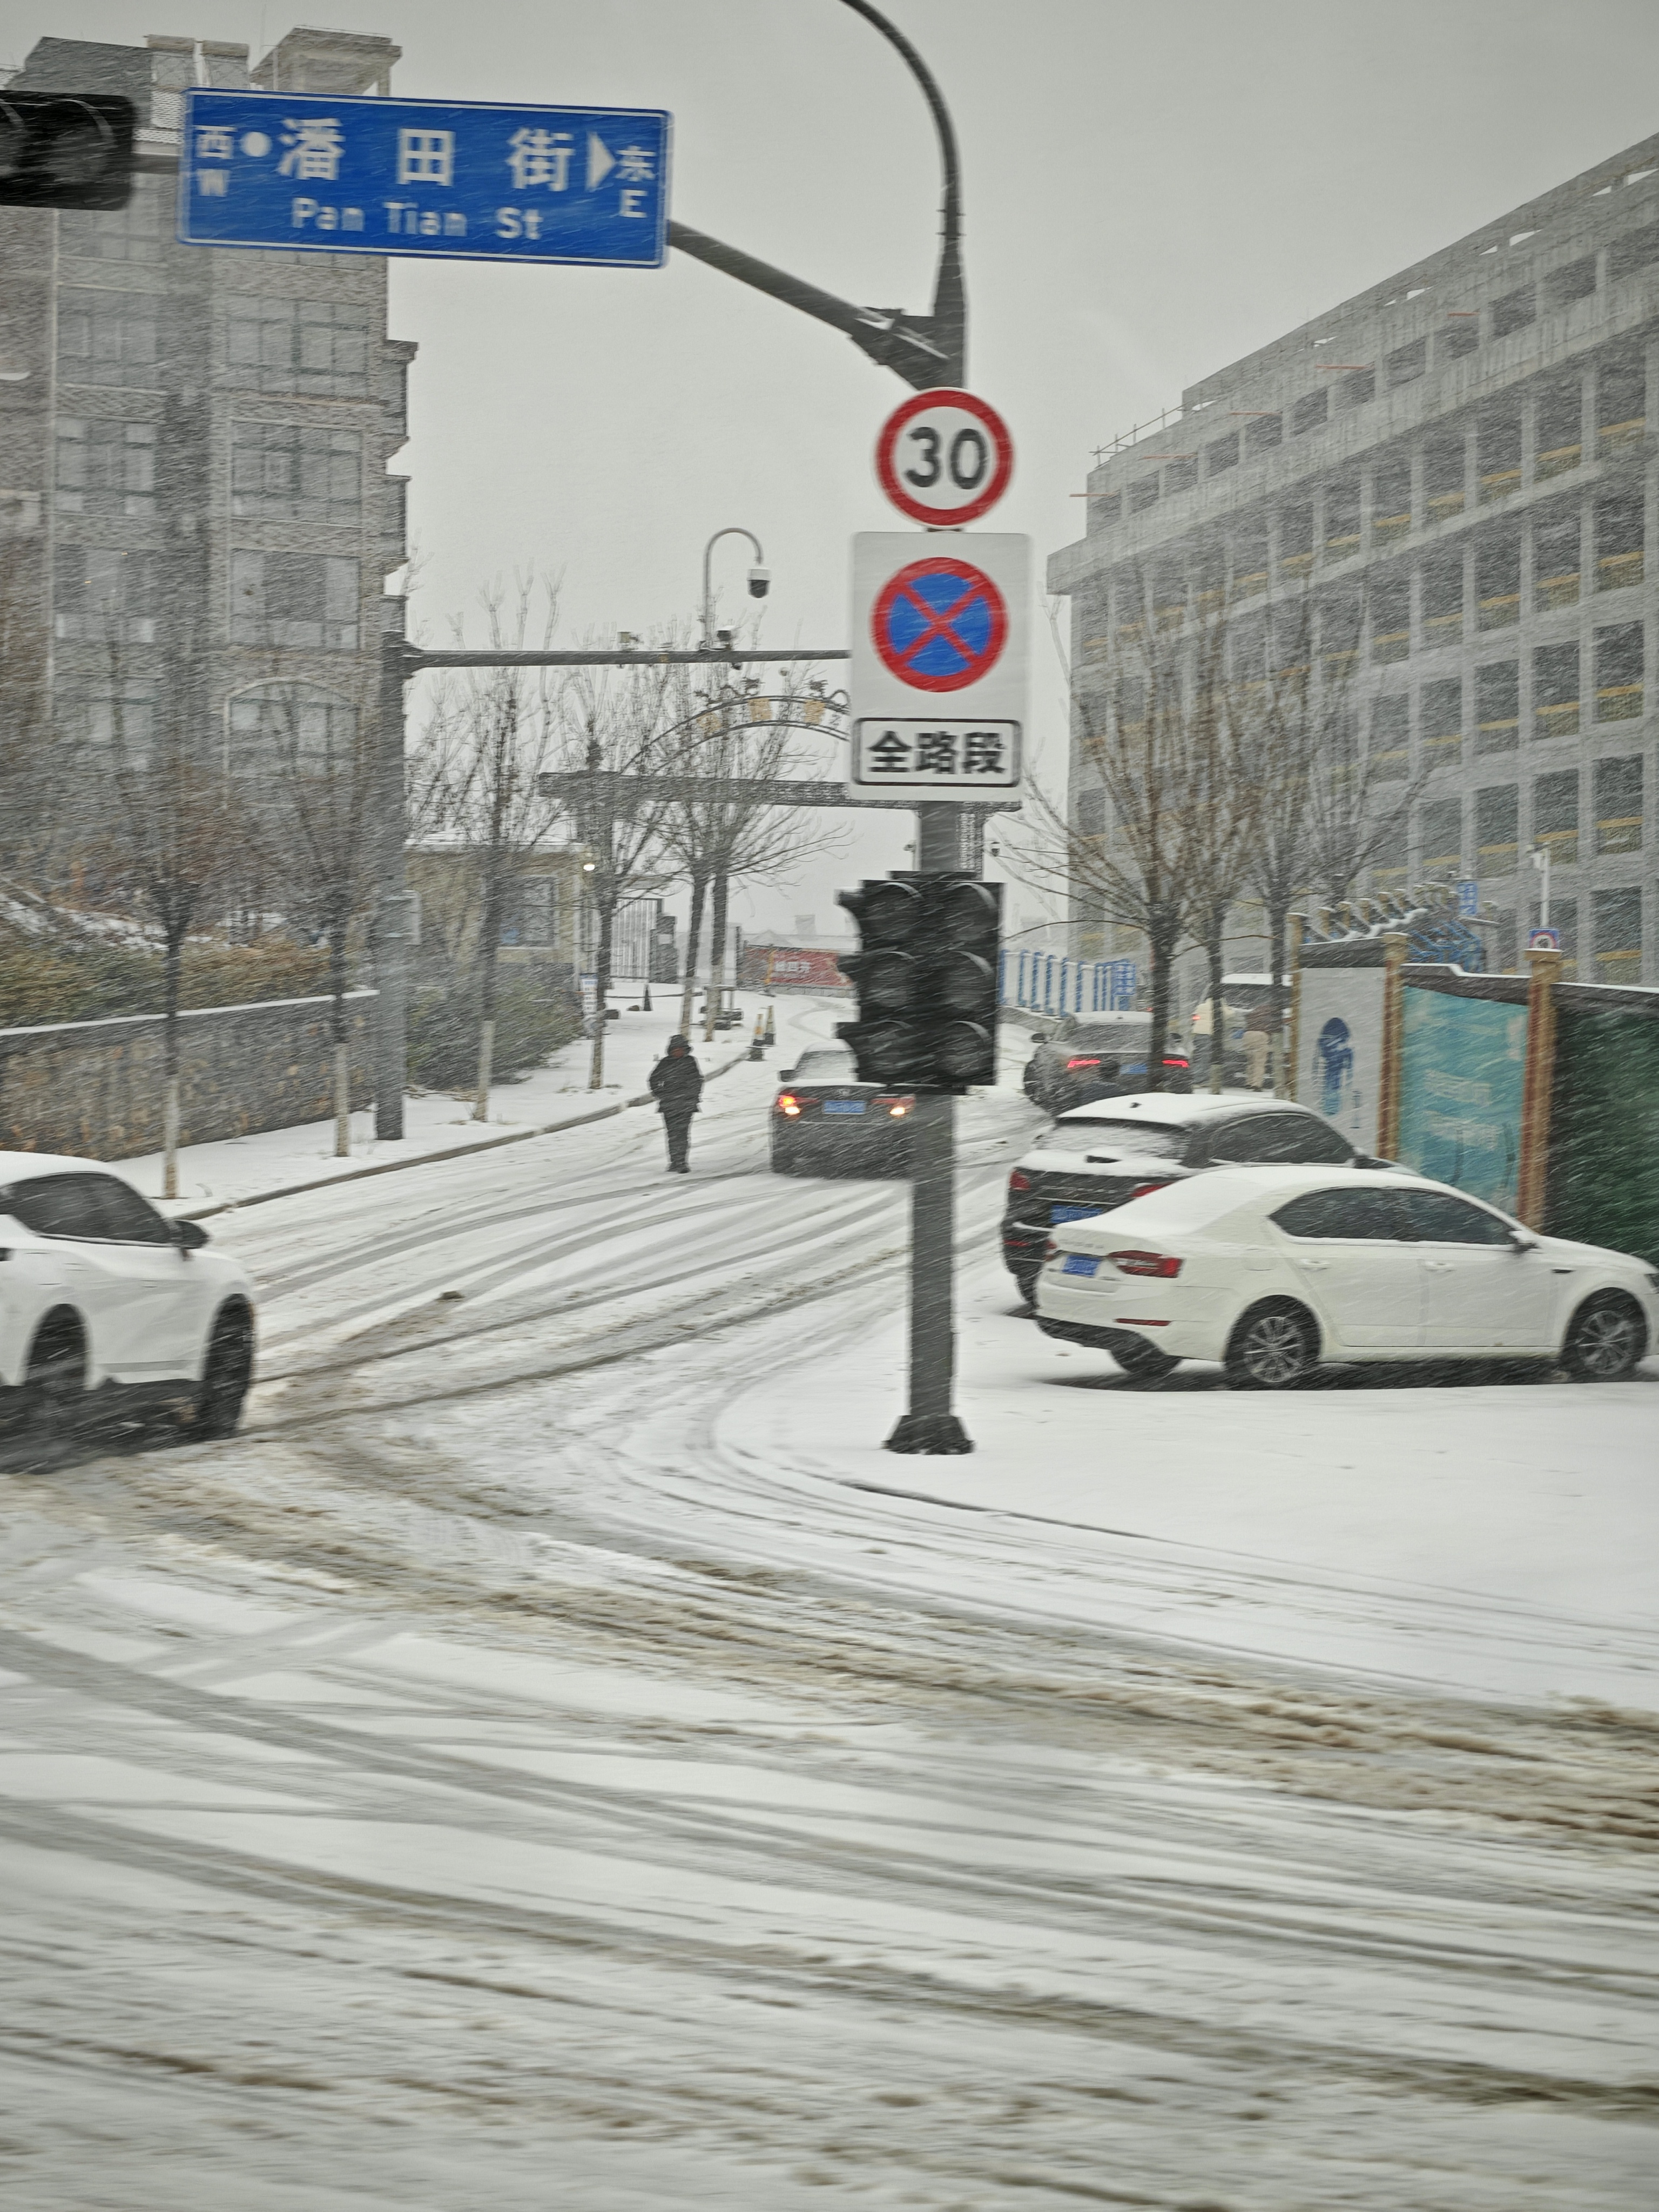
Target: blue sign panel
1468,898
1121,983
462,181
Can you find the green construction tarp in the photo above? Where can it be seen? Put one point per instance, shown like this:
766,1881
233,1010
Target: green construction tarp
1604,1131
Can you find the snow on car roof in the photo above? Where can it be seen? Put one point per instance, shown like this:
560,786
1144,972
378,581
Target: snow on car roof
1174,1108
15,1166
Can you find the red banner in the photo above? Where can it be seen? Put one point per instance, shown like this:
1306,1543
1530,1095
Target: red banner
789,968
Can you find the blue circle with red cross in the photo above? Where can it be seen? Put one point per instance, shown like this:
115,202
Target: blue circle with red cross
940,624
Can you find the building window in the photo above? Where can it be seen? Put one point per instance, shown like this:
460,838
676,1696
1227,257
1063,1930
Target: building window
1442,600
1513,312
1249,559
1619,671
1460,337
1620,403
1440,837
1296,541
1497,705
1263,432
1180,476
105,595
1391,619
1555,690
293,599
319,346
1309,411
1618,542
108,338
1560,429
1391,753
1576,281
1391,501
1636,251
1342,519
1498,448
1497,582
129,233
296,473
294,726
1555,815
1389,856
1223,453
1357,390
1618,921
1497,828
1143,494
1407,363
1168,595
106,468
1555,564
1440,722
1443,478
1618,805
530,911
1105,508
117,722
1341,624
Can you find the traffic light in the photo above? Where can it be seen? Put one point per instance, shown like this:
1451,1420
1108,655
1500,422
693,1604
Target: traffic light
925,974
65,149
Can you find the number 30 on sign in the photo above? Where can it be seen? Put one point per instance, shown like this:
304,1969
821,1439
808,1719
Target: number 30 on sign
944,458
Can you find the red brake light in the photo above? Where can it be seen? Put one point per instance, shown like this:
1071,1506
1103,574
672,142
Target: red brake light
1144,1263
1017,1181
1171,1062
896,1108
1141,1189
1051,1251
787,1102
1095,1062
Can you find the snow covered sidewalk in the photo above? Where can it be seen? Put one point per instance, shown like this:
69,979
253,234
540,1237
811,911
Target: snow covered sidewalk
239,1169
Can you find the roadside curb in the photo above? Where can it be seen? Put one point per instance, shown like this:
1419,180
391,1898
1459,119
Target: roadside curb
434,1159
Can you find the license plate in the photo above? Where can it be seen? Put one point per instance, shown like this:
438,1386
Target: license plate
843,1105
1078,1263
1074,1213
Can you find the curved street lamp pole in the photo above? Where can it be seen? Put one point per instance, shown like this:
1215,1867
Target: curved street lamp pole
758,579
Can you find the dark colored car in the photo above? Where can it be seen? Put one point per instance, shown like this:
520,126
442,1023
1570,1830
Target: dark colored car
1065,1060
825,1122
1101,1156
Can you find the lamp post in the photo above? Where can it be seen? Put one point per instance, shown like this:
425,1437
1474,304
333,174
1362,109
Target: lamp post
760,582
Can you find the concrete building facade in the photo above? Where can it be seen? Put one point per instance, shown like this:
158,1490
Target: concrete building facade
194,497
1468,453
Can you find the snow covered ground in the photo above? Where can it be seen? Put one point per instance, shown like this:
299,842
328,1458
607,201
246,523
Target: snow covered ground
555,1756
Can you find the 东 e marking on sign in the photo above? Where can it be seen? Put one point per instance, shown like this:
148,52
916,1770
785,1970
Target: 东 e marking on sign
944,458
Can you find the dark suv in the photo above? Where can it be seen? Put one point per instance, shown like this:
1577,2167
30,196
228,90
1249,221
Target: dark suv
1101,1155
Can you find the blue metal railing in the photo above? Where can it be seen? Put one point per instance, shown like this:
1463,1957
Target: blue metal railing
1055,983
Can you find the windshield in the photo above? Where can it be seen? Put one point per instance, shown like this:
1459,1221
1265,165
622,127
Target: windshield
825,1067
1145,1139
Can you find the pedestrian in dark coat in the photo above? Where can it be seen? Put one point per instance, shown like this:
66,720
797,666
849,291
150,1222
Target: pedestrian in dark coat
676,1085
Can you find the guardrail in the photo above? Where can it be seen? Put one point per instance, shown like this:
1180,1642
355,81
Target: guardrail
1056,983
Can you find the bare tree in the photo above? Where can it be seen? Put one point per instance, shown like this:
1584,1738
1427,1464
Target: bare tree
488,745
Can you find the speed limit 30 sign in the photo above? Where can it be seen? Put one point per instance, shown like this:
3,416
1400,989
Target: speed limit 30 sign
944,458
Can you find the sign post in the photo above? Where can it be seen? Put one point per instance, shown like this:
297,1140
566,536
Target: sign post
450,181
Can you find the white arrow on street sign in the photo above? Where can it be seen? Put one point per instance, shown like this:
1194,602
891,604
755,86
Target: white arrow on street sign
600,160
939,661
944,458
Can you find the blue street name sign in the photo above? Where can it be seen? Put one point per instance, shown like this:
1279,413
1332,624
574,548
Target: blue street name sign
459,180
1468,898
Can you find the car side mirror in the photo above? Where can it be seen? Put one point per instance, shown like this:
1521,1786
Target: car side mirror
786,1075
188,1235
1522,1239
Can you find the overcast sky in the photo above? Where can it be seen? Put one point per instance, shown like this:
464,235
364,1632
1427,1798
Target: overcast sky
1151,191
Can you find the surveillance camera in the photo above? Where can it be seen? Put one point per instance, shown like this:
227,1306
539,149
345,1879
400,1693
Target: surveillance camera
760,583
724,636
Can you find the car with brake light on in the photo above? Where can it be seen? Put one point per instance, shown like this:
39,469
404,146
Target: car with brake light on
1103,1155
106,1307
825,1122
1275,1272
1066,1061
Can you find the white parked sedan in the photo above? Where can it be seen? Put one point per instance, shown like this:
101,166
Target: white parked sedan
105,1304
1271,1270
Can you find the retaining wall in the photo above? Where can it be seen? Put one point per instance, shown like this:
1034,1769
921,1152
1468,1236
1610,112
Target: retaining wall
98,1088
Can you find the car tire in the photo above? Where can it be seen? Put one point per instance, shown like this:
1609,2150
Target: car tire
1607,1338
1274,1346
1144,1362
55,1380
215,1410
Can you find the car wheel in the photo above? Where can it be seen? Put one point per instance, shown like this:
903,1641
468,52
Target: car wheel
55,1383
216,1408
1606,1339
1275,1346
1145,1362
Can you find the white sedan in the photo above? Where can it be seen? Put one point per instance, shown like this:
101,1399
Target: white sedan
106,1304
1271,1270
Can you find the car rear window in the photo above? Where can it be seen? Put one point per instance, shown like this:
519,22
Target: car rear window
1155,1140
825,1067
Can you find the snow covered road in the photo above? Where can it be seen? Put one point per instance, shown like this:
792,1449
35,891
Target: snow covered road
553,1758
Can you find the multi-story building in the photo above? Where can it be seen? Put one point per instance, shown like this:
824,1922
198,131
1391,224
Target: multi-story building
1465,457
193,442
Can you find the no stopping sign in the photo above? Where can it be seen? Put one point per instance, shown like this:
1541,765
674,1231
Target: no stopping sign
944,458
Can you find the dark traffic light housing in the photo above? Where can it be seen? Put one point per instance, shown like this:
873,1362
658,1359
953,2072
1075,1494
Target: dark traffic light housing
65,149
926,975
